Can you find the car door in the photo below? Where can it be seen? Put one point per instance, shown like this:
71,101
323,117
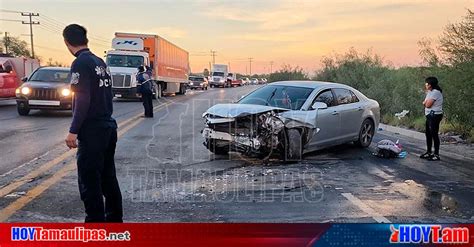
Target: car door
327,121
350,111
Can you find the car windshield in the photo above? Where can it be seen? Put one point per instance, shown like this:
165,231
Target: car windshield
196,78
217,73
50,75
124,61
287,97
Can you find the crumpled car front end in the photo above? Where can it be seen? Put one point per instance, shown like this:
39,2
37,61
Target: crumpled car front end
253,130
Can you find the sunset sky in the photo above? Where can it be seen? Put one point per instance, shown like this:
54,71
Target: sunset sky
285,32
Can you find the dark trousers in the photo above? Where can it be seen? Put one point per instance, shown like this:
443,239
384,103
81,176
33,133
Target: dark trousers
147,99
432,129
96,173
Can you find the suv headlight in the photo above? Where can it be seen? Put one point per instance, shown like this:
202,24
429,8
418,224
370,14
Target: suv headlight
25,90
65,92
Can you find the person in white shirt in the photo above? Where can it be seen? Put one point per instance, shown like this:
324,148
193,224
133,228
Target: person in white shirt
433,104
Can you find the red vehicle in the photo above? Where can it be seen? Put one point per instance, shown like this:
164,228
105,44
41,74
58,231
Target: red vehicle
236,83
12,72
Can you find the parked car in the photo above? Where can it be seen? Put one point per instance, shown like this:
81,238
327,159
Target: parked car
237,83
198,82
261,81
246,81
47,88
254,81
291,118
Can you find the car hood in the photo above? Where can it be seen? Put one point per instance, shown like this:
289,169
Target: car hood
42,84
239,110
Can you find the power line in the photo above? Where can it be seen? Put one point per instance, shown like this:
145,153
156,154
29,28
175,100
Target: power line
10,11
62,25
31,23
11,20
55,31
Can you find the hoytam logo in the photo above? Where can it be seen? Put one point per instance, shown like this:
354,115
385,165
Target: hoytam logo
73,234
429,234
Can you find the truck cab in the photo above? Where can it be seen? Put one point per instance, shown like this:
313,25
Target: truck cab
219,76
123,63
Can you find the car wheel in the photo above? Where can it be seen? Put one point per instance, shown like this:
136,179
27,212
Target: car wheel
211,145
293,146
23,111
366,133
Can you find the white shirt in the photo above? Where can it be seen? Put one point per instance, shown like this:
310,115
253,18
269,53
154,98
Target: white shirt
437,106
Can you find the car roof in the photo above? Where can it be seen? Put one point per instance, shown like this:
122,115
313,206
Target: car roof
56,68
308,84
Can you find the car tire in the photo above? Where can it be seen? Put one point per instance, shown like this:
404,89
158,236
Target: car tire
293,146
23,111
211,145
366,133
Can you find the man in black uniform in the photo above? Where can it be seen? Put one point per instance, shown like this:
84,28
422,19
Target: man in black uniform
145,89
93,130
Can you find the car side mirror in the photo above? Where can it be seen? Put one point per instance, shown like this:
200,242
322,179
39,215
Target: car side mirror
319,105
24,79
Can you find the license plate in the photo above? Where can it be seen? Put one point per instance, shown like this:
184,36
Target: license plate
44,102
118,95
206,133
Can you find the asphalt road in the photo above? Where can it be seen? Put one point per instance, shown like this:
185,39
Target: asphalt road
167,175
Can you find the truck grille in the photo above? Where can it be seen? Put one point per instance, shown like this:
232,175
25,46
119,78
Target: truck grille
121,81
45,94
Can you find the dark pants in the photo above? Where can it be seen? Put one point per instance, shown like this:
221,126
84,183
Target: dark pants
432,129
147,99
96,172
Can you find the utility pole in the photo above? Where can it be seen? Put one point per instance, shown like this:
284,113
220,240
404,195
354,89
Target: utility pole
31,23
271,67
6,42
213,55
250,66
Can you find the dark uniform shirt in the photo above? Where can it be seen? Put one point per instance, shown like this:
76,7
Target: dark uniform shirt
143,79
92,87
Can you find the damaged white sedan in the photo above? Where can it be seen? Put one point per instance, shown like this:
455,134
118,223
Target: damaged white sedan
290,118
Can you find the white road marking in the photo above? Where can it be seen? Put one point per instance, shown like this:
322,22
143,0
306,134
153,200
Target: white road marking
364,207
24,164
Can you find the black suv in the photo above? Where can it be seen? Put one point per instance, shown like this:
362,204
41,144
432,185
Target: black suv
47,88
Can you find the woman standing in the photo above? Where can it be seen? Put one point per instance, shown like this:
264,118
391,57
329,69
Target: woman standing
434,113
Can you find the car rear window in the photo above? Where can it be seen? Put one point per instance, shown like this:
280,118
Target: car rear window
345,96
287,97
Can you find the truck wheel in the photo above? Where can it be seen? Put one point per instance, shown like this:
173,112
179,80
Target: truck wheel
156,90
23,111
293,146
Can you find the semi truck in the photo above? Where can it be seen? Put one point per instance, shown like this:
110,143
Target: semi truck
13,70
219,75
169,64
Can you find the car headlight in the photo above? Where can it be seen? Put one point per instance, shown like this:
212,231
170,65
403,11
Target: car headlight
65,92
17,91
25,90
